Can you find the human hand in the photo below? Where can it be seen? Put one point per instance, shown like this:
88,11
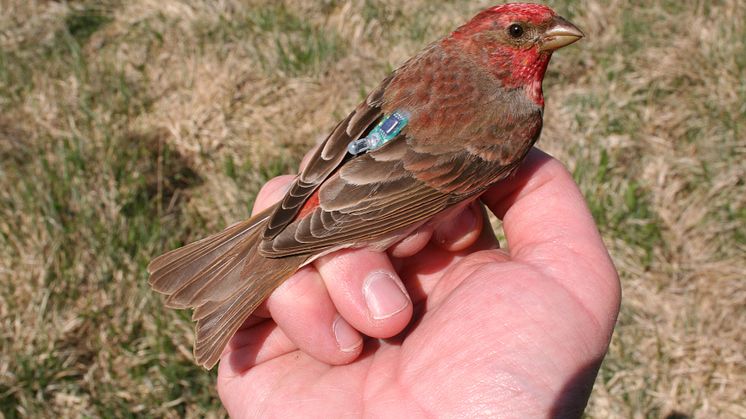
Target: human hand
481,331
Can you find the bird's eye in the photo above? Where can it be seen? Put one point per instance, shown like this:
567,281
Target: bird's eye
515,30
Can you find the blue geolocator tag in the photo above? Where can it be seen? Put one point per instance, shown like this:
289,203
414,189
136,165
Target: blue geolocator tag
385,131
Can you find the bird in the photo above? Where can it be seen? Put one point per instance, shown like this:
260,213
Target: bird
447,124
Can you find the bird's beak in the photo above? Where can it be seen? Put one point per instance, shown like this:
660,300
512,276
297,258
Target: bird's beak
559,34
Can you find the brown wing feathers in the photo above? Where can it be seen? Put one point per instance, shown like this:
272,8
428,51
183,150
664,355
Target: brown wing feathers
326,160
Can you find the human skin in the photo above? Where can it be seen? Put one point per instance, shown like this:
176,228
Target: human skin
481,331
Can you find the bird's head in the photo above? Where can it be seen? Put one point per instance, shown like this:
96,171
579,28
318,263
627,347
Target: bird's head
515,41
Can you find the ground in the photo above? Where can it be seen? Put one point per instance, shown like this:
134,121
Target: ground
131,127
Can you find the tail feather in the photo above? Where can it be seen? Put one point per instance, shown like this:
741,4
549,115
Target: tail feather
174,269
218,280
224,278
219,322
205,309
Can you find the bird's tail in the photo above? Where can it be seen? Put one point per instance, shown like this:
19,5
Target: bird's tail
224,278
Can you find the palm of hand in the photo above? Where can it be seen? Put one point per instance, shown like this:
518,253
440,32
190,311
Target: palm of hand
494,333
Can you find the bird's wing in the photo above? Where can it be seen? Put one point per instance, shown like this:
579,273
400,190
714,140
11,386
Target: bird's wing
326,159
465,132
382,192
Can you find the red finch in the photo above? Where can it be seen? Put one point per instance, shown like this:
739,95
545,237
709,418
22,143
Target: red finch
442,128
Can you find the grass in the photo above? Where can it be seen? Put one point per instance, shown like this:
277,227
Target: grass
127,128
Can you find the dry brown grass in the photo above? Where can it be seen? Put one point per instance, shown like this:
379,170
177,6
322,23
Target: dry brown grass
130,127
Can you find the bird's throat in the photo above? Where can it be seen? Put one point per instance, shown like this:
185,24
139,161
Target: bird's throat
513,67
526,70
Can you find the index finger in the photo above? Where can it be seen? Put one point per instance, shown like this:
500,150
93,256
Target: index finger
549,226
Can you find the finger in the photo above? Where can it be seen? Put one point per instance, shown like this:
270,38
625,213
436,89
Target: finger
454,232
272,192
302,308
548,225
461,230
252,346
413,243
366,291
426,274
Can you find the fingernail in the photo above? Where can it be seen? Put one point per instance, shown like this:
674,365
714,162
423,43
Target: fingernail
348,339
453,230
383,295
